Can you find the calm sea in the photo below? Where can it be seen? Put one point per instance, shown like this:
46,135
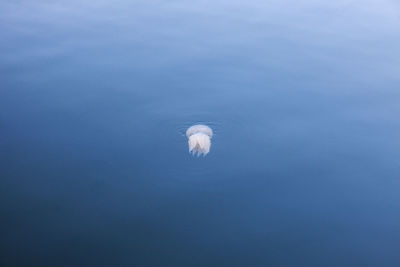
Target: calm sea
303,97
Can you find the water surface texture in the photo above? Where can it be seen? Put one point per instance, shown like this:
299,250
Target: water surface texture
303,98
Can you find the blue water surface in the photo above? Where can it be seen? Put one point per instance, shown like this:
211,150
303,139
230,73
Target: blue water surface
303,97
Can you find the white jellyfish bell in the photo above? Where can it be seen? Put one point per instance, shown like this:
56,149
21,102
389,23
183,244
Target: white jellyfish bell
199,139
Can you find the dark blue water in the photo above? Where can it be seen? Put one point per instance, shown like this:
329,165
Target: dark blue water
303,97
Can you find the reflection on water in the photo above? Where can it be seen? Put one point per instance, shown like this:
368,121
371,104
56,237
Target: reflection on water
95,99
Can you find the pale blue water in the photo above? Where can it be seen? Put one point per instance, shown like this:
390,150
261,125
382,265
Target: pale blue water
303,96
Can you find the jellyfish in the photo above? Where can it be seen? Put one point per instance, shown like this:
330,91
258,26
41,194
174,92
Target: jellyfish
199,139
